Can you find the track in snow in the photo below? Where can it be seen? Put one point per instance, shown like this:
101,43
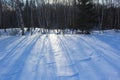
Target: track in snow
58,57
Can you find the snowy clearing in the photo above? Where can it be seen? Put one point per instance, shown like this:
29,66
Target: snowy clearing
58,57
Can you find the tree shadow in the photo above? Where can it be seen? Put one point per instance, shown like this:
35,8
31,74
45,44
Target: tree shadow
15,70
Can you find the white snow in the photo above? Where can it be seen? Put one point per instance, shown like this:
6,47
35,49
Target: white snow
58,57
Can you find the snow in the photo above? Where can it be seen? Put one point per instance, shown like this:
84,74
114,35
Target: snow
60,57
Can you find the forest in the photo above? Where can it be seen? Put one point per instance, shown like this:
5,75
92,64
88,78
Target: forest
59,39
83,15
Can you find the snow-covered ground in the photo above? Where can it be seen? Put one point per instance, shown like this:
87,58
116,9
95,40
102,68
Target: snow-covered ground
58,57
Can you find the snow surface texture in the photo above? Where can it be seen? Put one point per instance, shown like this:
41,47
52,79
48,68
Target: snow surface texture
58,57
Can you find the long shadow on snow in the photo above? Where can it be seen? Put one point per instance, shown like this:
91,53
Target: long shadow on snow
86,57
100,52
47,68
50,61
5,42
110,41
89,62
2,38
87,43
64,47
9,53
71,63
16,69
41,56
86,60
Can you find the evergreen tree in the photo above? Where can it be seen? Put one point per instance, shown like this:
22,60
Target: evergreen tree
86,16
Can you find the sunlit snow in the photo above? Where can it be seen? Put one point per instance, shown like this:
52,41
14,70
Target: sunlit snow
60,57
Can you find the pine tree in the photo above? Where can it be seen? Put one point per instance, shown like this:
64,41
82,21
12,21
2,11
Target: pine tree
86,16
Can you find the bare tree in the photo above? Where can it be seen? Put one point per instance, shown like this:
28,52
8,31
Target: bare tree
0,13
18,7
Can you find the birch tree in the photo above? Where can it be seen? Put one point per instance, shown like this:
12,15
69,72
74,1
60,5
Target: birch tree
18,6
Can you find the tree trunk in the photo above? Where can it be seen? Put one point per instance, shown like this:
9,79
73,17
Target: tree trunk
19,15
0,14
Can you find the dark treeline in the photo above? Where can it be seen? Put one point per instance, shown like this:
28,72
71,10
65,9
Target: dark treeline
84,15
